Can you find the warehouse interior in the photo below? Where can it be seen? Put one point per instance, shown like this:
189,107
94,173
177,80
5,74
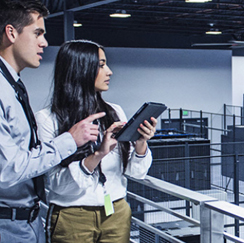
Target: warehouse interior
199,138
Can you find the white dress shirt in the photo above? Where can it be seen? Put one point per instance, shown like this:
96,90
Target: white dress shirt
71,186
17,163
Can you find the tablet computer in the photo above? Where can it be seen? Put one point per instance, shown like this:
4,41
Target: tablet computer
147,110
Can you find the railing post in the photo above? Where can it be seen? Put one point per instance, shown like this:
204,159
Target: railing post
156,238
242,118
211,225
169,114
236,176
236,191
201,130
225,119
181,120
187,175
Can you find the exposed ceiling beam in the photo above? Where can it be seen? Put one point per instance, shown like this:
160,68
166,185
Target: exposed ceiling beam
80,8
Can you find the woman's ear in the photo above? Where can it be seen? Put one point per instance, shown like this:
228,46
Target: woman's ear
11,33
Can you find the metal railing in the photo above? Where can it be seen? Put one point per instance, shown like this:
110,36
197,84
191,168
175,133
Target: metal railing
212,212
217,122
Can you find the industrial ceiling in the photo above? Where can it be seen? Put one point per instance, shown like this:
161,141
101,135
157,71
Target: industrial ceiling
152,24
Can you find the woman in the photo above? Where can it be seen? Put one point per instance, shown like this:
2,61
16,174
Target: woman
87,192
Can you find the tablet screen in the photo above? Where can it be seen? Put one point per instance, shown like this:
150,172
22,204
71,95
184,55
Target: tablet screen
147,110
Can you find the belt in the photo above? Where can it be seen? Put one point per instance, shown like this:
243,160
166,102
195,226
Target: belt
28,214
58,208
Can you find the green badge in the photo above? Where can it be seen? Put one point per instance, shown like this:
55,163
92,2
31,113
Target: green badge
108,205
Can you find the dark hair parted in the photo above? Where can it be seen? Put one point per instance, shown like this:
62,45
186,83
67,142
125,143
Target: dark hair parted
74,96
18,13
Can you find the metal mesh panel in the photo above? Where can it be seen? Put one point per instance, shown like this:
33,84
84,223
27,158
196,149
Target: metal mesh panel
141,235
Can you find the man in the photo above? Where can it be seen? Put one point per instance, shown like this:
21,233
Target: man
22,158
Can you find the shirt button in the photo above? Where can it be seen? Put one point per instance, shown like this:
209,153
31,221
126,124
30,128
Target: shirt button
69,152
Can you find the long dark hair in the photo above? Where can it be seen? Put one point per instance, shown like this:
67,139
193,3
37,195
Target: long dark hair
74,96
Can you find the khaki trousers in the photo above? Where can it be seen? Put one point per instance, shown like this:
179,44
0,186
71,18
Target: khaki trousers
89,224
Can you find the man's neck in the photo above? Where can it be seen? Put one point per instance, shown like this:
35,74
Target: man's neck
9,58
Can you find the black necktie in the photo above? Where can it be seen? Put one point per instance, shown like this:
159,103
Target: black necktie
24,100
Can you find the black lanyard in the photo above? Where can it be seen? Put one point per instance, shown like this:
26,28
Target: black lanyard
34,141
95,146
102,177
23,99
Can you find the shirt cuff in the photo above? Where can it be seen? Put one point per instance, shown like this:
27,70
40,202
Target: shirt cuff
66,145
141,156
84,169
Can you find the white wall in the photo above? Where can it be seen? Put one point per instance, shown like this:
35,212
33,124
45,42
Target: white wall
189,79
237,80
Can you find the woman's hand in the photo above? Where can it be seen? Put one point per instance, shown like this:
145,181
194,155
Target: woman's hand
147,131
109,142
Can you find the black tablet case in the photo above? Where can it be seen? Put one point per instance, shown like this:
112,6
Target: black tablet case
147,110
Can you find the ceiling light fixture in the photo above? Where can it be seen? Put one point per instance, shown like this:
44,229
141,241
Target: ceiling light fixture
213,32
120,14
197,1
76,24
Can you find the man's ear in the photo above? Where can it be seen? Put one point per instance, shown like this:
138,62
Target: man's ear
11,33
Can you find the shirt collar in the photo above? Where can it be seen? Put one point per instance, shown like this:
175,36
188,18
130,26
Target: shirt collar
10,69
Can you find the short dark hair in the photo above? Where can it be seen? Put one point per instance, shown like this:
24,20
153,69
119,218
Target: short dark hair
18,13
